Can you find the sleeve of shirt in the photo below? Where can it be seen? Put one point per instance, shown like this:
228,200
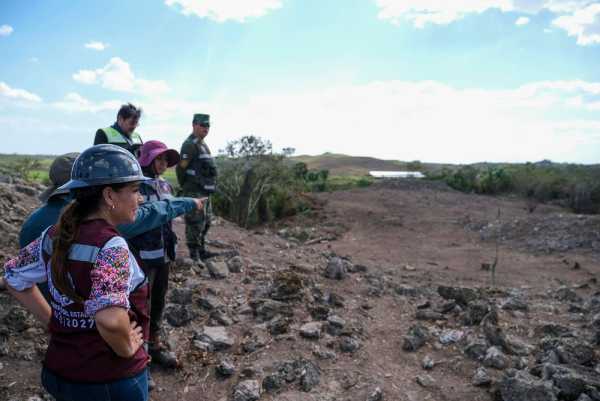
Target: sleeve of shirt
110,280
26,235
100,137
188,150
27,268
154,214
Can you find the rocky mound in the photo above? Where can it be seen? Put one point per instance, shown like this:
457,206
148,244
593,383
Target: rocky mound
17,200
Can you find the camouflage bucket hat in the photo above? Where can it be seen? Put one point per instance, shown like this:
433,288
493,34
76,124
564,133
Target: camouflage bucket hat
59,174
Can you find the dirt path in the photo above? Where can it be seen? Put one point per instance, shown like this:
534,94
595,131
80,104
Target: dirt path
426,229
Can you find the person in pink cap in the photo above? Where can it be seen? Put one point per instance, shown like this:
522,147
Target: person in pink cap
156,248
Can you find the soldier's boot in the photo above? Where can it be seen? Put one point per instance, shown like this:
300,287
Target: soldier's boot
160,354
203,253
194,253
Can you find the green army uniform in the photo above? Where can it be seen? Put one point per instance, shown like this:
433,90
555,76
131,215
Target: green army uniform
197,180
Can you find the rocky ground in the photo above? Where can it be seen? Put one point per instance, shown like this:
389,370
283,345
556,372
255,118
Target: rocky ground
381,293
17,200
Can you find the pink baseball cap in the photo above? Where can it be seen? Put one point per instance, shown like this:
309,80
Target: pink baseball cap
152,149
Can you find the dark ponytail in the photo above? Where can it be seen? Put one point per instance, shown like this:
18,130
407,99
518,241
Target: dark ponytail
87,201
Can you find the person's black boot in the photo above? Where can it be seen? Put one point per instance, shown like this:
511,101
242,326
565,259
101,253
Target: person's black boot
194,254
160,354
204,254
166,359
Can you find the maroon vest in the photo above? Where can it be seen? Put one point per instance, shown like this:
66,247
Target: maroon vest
76,350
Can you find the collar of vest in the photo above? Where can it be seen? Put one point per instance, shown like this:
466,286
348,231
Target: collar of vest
92,233
113,135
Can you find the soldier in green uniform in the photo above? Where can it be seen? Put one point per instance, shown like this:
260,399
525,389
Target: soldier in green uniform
122,132
197,176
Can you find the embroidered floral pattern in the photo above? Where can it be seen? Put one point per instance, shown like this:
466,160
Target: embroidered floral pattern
110,280
28,255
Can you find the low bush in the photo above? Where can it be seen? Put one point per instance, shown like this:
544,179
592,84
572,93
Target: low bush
257,185
575,186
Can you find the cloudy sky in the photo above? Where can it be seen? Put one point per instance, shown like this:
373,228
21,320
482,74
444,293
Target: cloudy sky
432,80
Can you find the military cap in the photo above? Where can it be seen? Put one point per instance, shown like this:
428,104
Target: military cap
203,119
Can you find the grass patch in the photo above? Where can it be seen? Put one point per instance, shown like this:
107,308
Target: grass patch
171,177
341,183
30,168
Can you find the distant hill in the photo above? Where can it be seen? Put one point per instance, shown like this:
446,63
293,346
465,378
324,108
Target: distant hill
339,164
344,165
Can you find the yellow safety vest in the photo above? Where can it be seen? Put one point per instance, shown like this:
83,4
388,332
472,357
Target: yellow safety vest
116,137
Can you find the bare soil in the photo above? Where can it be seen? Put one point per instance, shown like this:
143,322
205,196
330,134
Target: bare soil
420,235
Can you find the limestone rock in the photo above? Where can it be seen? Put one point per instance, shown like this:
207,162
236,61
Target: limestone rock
247,390
336,269
236,264
521,386
311,330
216,336
217,270
417,337
481,378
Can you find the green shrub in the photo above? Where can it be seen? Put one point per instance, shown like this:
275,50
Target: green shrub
575,186
415,165
464,179
256,185
26,167
300,170
363,182
494,180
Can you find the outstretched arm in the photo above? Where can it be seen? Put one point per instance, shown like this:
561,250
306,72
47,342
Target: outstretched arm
154,214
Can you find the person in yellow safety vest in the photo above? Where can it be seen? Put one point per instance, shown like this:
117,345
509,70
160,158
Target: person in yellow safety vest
122,132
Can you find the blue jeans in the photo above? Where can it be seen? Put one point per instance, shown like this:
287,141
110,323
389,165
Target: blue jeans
130,389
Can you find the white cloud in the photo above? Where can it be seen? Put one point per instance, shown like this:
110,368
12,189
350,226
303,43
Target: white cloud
95,45
118,76
18,94
85,77
562,6
418,120
74,102
224,10
573,86
6,30
423,12
579,18
583,23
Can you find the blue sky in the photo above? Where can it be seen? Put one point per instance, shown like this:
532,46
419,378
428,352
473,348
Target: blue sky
458,81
